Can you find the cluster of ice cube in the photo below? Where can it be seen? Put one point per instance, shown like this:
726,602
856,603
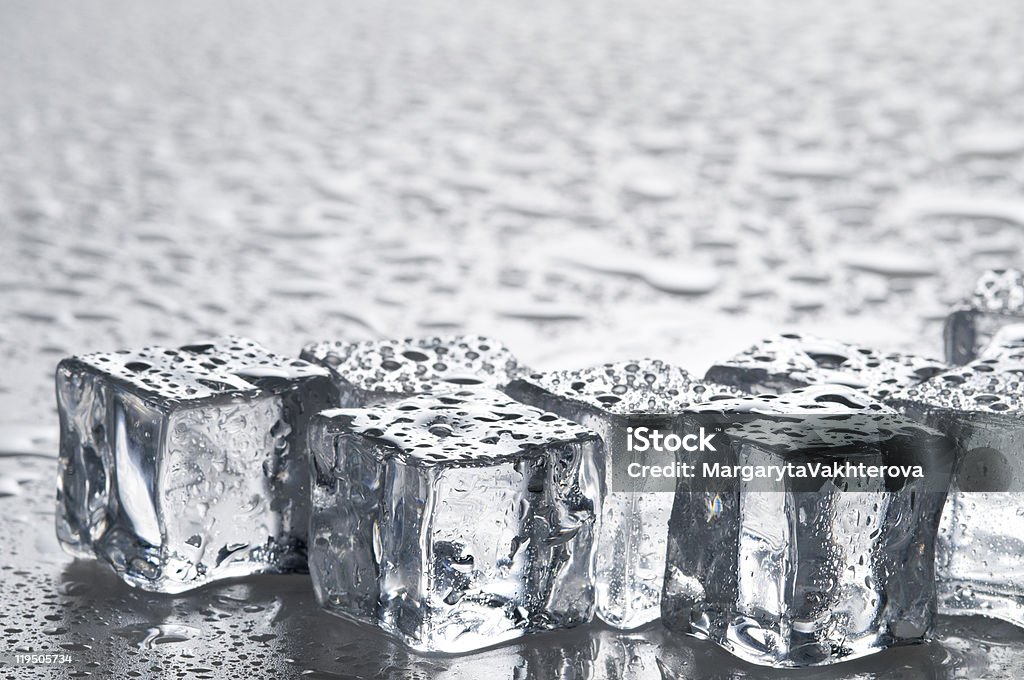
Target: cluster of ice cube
459,500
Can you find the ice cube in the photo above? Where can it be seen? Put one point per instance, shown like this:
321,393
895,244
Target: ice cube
454,521
980,554
611,399
800,571
998,299
785,362
377,371
1005,342
181,466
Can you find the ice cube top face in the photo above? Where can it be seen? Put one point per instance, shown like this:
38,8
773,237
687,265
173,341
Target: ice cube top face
998,299
645,387
611,399
991,386
789,571
378,371
180,466
785,362
980,553
454,521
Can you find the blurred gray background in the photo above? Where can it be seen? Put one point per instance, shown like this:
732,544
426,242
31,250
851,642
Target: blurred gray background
586,181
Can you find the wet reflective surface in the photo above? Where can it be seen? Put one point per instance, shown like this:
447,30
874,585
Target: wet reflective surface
584,181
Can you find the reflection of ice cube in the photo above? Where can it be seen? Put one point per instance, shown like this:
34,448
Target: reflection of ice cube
784,362
566,656
591,653
650,654
183,466
808,571
455,521
634,522
980,554
978,648
998,299
378,371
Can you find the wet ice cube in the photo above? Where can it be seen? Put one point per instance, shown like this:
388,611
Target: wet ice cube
800,571
980,554
610,399
1007,341
785,362
454,521
180,466
377,371
998,299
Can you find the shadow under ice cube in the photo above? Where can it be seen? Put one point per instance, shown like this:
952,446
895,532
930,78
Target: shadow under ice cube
998,300
454,521
378,371
180,466
980,553
802,570
611,399
785,362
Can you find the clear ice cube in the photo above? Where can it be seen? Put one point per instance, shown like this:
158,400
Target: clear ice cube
802,571
997,300
454,521
378,371
980,554
1006,341
610,399
785,362
181,466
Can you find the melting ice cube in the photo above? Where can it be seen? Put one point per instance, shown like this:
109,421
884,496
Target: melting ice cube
614,400
180,466
980,559
998,299
801,570
455,521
